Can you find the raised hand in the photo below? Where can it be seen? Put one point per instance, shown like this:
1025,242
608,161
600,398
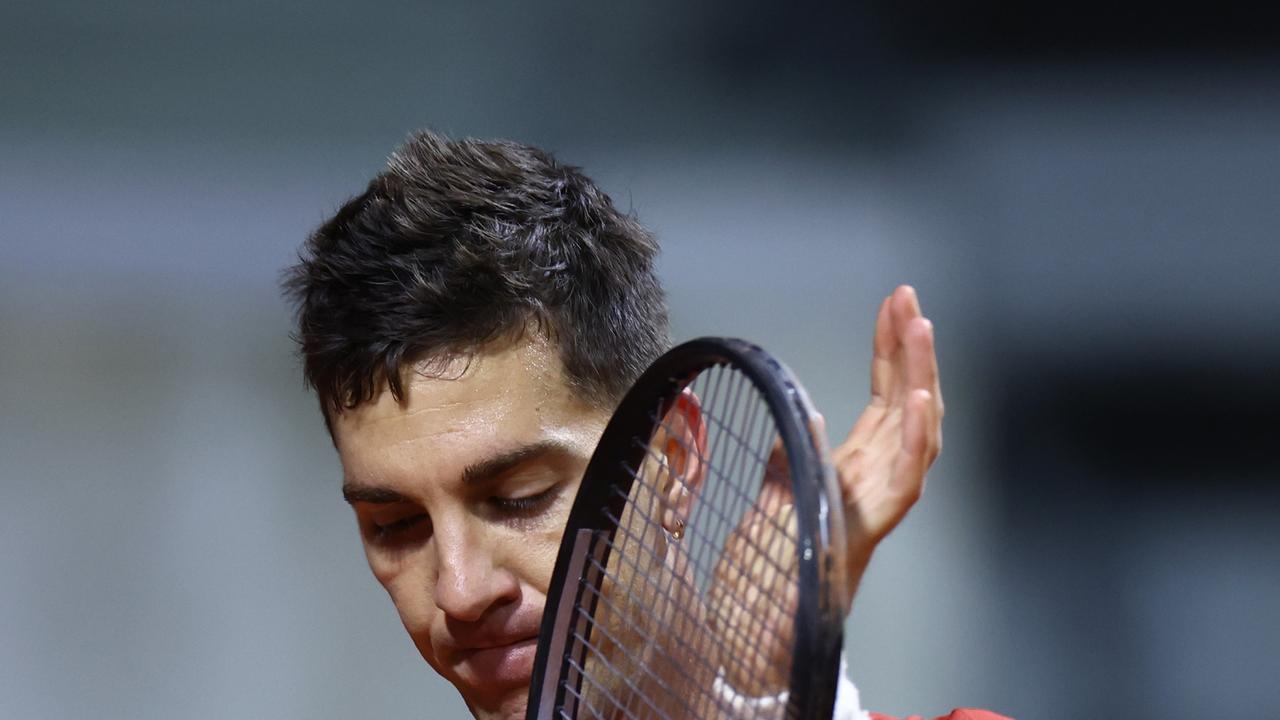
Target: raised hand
881,467
882,463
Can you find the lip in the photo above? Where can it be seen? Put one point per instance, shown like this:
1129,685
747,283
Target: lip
502,664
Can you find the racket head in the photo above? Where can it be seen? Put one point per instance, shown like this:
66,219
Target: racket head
623,578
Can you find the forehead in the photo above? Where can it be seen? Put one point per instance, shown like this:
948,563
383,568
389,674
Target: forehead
506,394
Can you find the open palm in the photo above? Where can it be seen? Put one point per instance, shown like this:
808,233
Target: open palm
881,466
882,463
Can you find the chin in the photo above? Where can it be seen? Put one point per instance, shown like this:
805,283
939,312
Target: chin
510,706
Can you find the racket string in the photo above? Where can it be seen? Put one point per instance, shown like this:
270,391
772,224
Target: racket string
736,633
708,696
737,460
626,679
699,658
725,517
693,532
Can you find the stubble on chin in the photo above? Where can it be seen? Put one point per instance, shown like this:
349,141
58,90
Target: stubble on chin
513,707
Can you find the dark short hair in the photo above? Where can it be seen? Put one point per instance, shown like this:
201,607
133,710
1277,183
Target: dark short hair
459,243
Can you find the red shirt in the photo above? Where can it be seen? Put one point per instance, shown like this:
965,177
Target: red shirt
957,714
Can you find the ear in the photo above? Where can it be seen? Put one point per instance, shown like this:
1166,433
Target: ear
684,445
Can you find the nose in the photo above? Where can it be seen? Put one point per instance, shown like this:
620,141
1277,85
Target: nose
470,580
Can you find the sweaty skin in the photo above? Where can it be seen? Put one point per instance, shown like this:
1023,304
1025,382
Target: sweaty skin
468,560
461,492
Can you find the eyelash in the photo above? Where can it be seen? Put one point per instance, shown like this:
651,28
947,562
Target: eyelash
518,506
526,504
390,530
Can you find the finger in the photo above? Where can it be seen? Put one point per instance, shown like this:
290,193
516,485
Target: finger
890,365
884,346
904,308
777,472
932,422
775,486
921,361
921,355
817,425
915,444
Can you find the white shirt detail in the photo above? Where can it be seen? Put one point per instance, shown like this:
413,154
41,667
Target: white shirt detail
772,707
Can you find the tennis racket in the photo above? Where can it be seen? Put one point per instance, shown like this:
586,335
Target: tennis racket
701,571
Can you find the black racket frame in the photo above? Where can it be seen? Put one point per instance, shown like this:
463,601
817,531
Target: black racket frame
819,621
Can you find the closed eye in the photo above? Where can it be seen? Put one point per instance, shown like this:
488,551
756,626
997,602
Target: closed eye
525,505
386,532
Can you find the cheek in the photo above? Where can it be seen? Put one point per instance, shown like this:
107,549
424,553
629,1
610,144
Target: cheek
407,578
546,549
532,555
549,542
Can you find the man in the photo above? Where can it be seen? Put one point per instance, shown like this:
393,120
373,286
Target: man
469,323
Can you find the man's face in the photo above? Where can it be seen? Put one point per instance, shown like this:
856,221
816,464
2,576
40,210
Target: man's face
461,494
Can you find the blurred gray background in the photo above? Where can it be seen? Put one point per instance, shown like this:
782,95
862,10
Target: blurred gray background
1084,194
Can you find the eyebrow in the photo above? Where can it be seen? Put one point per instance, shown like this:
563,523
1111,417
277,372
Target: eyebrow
474,474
